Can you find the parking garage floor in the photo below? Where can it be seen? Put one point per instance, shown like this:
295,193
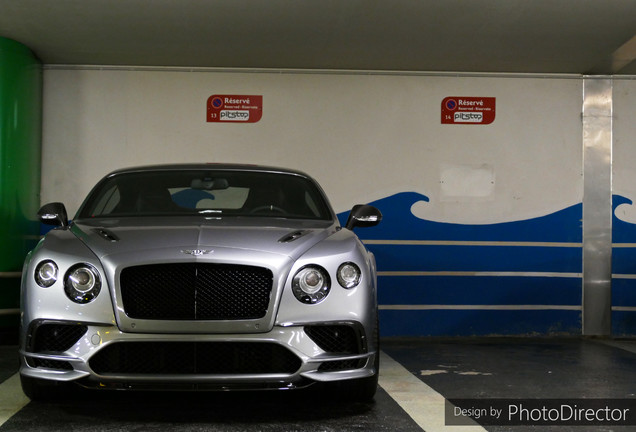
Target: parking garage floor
417,377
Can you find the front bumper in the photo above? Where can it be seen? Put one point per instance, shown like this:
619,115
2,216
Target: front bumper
287,357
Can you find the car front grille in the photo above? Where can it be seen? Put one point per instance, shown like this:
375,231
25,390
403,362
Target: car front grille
188,358
196,291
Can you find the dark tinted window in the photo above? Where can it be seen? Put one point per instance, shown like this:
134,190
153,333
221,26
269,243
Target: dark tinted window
208,193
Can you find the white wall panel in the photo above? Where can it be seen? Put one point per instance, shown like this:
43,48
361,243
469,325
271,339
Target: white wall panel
363,137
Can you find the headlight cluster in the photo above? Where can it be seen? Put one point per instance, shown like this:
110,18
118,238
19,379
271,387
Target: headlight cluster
312,283
82,282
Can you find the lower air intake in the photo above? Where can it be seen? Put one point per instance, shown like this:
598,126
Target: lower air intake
188,358
335,338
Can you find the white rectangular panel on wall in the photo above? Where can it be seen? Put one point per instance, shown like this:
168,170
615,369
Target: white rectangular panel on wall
482,226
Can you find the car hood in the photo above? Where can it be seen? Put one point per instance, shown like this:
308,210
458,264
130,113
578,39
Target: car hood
277,236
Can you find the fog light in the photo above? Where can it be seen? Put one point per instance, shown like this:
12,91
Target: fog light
311,284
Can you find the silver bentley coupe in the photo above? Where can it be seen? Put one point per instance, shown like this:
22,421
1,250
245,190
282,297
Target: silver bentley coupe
201,277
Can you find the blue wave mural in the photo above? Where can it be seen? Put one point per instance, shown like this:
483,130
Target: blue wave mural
622,231
623,269
463,289
623,258
399,223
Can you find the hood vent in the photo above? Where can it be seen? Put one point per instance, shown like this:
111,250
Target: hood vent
292,236
106,234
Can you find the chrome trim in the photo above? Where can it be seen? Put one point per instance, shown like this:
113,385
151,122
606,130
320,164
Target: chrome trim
479,307
480,273
197,252
470,243
55,357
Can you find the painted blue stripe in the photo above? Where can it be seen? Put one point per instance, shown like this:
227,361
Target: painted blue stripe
479,322
478,290
624,292
623,260
623,323
478,258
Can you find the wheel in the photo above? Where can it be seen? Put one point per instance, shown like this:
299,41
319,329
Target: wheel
43,390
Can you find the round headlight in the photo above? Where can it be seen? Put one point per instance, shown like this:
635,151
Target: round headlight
46,273
311,284
349,275
82,283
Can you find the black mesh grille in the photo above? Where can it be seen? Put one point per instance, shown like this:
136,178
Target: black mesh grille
335,338
186,358
340,365
196,291
49,364
57,337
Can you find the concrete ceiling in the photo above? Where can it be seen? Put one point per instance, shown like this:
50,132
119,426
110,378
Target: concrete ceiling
471,36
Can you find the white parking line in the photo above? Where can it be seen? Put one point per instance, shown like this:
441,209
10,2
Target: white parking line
422,403
12,399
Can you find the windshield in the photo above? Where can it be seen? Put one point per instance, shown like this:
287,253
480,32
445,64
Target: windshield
207,193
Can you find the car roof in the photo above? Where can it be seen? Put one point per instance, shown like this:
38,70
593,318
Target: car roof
206,167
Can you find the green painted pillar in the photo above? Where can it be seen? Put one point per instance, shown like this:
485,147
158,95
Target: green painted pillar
20,167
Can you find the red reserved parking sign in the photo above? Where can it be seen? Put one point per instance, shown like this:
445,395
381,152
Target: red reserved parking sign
468,110
234,108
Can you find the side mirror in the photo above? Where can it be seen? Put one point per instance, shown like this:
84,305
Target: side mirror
53,214
363,215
